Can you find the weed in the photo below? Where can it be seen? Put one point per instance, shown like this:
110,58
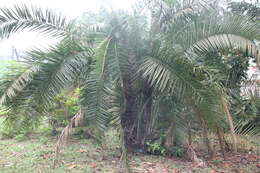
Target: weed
21,137
175,151
155,148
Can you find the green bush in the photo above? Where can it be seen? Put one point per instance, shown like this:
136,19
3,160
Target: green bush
25,120
158,149
15,124
62,110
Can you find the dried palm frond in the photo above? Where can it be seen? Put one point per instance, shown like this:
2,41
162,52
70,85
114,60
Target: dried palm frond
75,121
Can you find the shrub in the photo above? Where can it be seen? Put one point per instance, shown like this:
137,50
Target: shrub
158,149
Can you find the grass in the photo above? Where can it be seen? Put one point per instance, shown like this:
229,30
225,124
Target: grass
35,154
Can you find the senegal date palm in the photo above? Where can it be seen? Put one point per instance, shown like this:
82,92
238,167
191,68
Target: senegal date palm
125,63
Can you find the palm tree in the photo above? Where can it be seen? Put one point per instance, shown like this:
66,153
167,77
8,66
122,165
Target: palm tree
124,65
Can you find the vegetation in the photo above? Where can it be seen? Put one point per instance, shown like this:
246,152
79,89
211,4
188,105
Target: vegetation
158,80
80,156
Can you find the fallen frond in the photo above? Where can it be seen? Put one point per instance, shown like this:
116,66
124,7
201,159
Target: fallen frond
75,121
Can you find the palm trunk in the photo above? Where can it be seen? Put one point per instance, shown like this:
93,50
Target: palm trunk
170,135
136,128
230,122
145,117
189,134
220,139
124,156
128,121
205,136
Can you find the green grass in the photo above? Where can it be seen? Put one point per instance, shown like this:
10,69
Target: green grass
36,154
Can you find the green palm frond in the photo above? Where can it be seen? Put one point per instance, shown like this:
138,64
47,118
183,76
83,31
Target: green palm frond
116,104
177,81
60,67
20,17
169,79
13,83
93,103
57,69
202,36
93,99
101,57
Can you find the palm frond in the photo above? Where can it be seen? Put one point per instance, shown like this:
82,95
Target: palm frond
76,120
116,104
247,128
15,83
93,102
202,36
57,68
94,96
171,79
20,17
60,68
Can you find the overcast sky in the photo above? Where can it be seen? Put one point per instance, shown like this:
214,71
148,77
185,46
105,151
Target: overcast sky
70,8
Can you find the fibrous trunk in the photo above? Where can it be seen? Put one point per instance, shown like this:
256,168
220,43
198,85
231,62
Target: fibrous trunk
205,136
170,135
230,122
220,138
135,119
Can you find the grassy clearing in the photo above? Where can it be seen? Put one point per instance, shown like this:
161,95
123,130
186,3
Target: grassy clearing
35,155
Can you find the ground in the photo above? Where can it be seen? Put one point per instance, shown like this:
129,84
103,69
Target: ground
35,155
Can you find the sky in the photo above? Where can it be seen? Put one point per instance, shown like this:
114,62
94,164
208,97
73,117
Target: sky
70,8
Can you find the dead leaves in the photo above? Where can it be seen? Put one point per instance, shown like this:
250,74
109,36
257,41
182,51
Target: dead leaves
45,156
93,165
73,166
82,151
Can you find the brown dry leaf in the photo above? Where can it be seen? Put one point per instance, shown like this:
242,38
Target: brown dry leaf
148,163
103,158
163,171
201,164
93,165
225,165
82,151
45,156
113,161
151,171
73,166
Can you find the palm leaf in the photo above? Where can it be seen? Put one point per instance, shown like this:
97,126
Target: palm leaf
20,17
93,99
58,68
16,83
